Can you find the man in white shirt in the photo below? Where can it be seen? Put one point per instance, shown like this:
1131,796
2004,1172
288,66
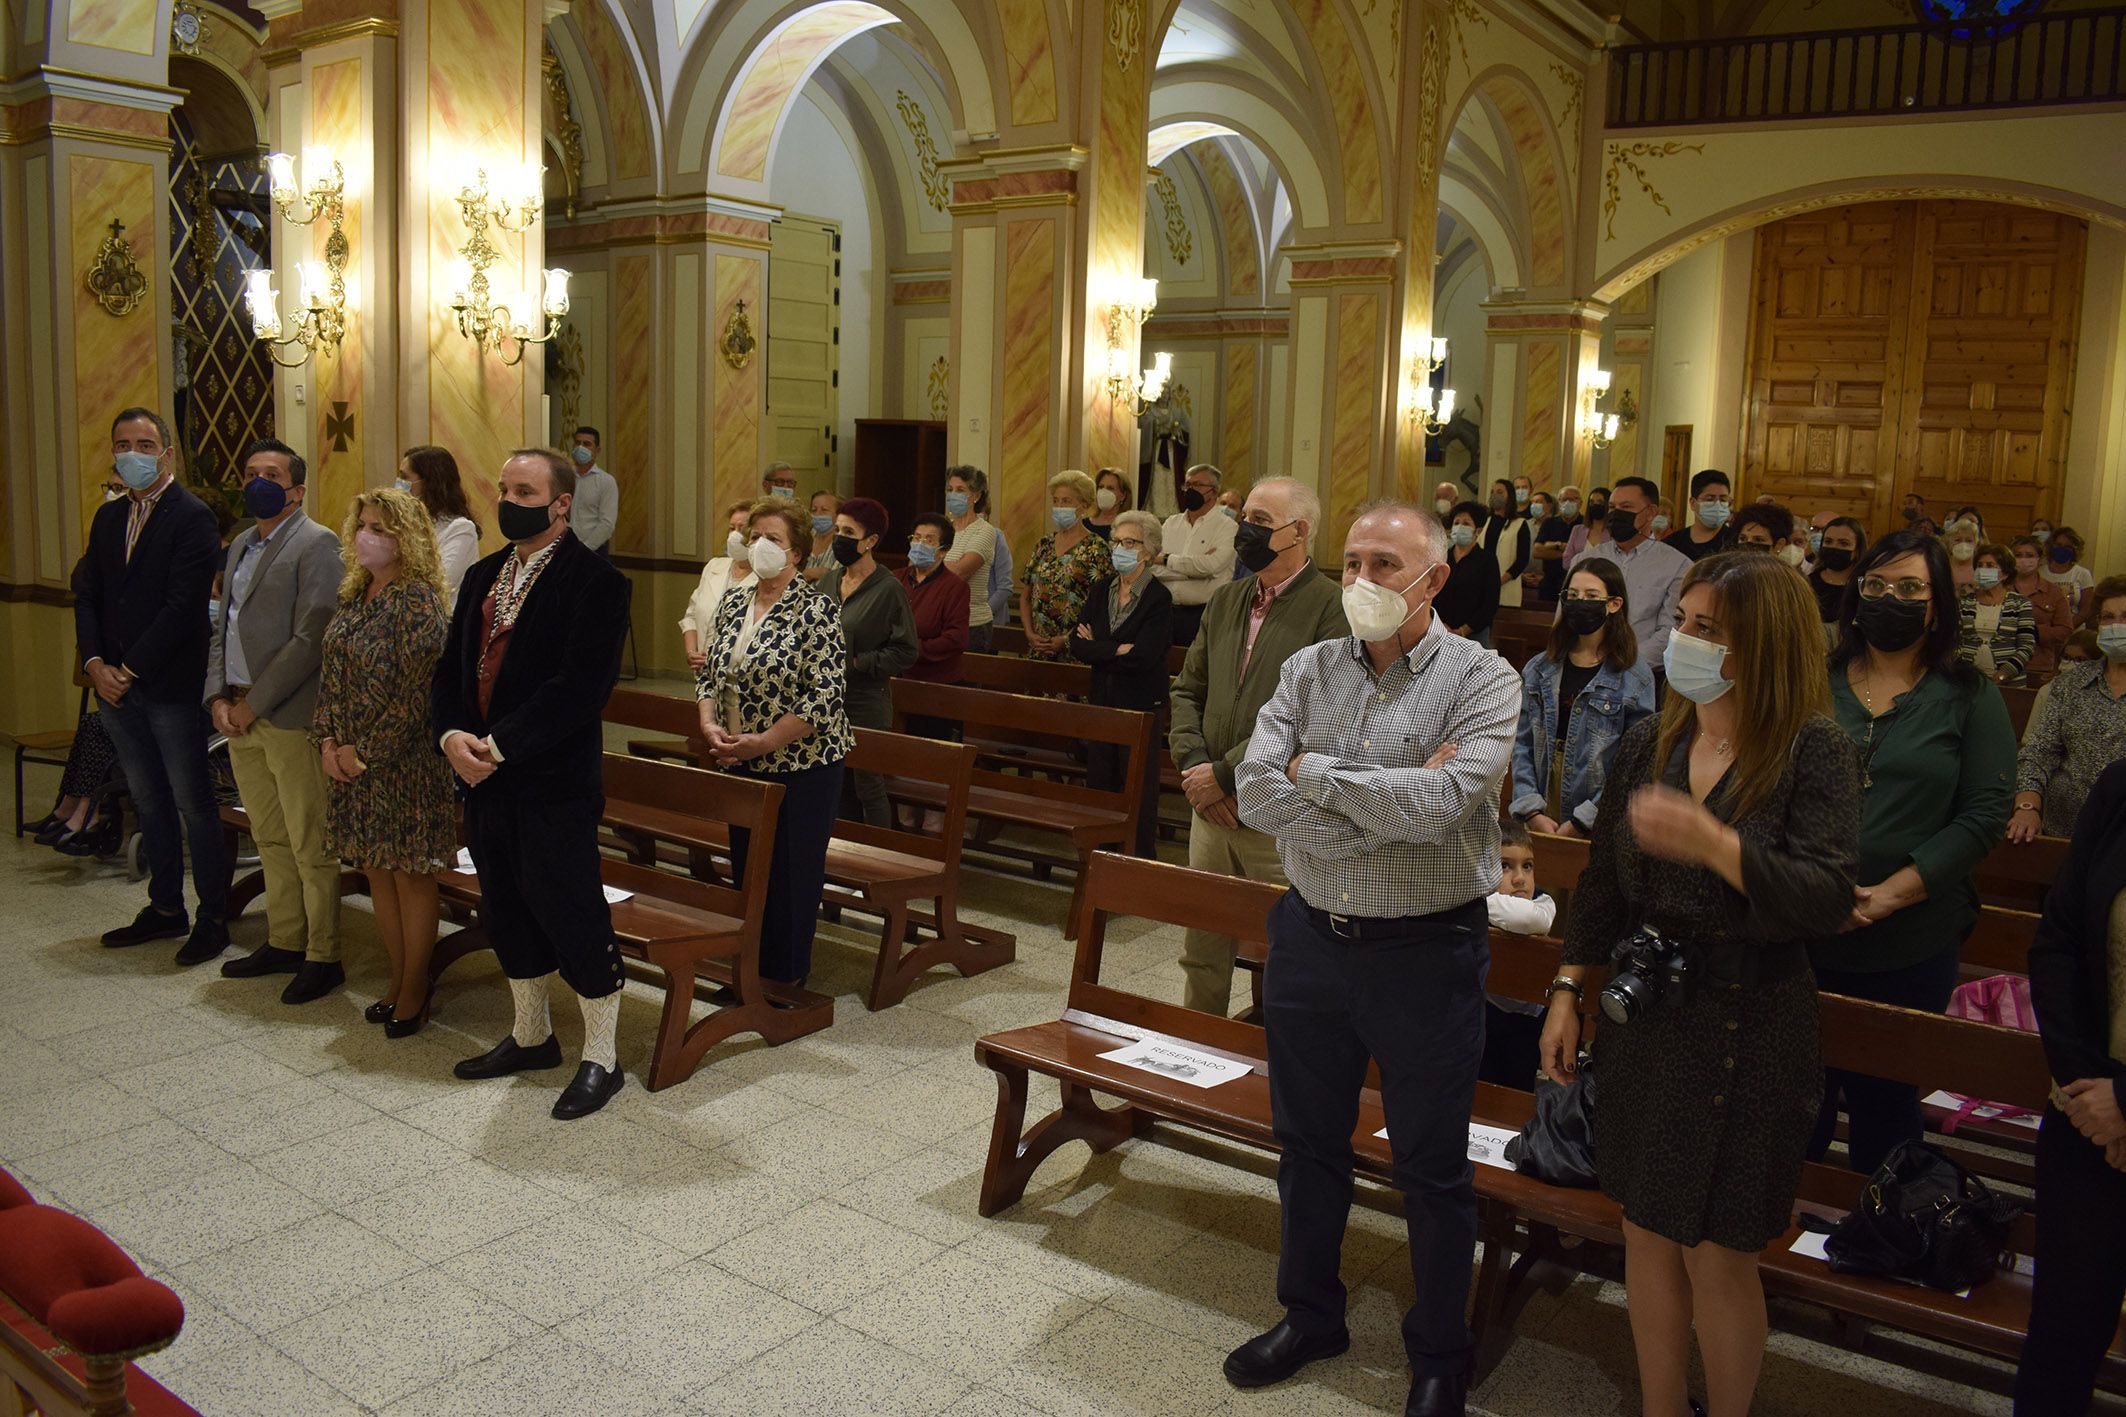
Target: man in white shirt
1199,550
597,505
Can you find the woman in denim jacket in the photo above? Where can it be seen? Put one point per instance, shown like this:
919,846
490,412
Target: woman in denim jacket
1577,700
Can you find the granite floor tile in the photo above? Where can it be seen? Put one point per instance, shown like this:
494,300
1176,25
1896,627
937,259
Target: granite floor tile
405,1336
292,1273
445,1213
196,1216
557,1268
829,1368
824,1256
690,1326
545,1375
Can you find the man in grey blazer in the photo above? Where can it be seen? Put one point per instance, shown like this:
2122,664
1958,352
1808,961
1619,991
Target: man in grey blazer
279,587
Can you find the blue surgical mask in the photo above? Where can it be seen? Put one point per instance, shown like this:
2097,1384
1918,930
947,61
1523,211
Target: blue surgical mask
1462,535
922,553
955,505
1660,523
137,470
1815,543
821,526
403,485
1569,507
2111,642
1987,577
1063,518
1712,515
581,454
1126,560
1693,667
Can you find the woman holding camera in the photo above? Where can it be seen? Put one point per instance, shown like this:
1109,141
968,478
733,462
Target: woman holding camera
1730,828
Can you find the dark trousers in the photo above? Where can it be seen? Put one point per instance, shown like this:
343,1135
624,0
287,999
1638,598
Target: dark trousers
1187,620
979,638
163,749
1107,768
1415,1005
1880,1114
864,793
2081,1272
541,896
799,873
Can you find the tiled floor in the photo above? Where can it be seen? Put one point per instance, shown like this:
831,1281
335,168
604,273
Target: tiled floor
793,1230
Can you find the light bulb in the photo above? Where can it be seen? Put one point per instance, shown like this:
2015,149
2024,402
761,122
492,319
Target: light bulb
259,296
557,292
1147,294
280,171
317,164
1439,350
1609,427
1446,405
1118,362
1598,380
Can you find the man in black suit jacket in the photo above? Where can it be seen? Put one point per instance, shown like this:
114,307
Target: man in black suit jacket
534,651
140,623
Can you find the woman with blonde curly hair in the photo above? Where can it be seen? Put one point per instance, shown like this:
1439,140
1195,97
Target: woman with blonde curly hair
390,809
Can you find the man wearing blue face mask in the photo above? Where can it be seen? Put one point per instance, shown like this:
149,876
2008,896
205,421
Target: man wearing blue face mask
140,622
597,506
279,589
1376,766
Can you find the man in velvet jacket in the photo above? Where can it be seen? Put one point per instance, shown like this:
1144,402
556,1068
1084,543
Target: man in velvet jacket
534,651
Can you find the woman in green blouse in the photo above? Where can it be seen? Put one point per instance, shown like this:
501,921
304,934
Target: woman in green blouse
1937,774
771,698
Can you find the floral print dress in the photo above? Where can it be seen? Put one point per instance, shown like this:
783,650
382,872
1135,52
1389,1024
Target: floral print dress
1057,583
380,655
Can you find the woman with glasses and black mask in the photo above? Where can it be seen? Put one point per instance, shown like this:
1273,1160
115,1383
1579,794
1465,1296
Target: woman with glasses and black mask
1937,782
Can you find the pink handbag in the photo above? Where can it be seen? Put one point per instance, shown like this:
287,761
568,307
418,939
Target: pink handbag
2002,999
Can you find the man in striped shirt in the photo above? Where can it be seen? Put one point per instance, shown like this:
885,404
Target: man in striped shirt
1376,767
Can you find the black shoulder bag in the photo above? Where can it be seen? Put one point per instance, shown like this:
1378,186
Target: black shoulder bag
1924,1218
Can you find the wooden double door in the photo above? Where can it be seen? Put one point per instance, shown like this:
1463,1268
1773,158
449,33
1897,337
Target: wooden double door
1919,346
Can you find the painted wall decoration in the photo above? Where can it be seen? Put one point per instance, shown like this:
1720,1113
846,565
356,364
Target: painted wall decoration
937,190
1625,157
1180,243
115,278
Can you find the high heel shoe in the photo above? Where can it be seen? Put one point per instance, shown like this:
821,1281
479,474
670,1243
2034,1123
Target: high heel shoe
380,1011
98,839
396,1027
43,824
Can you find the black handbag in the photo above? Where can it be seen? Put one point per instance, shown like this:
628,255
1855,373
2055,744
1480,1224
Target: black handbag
1557,1144
1924,1218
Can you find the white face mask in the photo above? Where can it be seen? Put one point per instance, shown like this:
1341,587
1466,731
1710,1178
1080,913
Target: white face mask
1792,554
1106,499
769,560
1963,550
1375,612
734,546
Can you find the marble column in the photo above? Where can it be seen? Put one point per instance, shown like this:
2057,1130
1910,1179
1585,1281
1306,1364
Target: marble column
1539,357
1344,333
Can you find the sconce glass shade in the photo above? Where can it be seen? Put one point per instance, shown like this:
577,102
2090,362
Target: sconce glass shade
1439,350
556,292
1598,381
280,173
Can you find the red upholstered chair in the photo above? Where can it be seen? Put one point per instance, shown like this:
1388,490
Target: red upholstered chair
74,1310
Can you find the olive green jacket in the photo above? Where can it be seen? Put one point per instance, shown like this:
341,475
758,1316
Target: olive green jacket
1214,705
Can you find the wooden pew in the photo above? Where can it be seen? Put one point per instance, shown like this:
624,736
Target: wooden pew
881,871
2020,701
1092,819
235,823
684,929
1011,640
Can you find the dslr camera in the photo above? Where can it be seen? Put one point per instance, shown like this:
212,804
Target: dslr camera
1649,971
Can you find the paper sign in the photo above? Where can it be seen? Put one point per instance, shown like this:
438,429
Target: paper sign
1487,1145
614,895
1950,1102
1182,1064
465,859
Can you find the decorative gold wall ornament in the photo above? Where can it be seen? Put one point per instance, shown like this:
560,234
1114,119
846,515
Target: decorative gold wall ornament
187,26
737,343
506,323
321,321
565,367
1125,31
1569,118
1627,410
1180,244
1395,32
113,277
936,186
1466,12
568,133
940,387
1623,158
205,227
1431,97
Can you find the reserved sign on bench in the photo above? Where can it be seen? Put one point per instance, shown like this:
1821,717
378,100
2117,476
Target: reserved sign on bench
1487,1145
1155,1055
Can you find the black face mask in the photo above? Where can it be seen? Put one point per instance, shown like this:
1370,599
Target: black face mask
1834,558
1251,543
1191,499
845,550
1584,617
1890,624
1623,526
518,522
1597,511
1911,514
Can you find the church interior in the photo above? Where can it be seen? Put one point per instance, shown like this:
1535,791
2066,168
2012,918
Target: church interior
1849,252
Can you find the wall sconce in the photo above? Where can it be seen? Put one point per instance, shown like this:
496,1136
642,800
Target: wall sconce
321,315
1425,365
1139,391
493,320
1600,428
1427,408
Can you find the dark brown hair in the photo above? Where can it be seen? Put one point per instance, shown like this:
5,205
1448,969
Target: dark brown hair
442,492
1620,642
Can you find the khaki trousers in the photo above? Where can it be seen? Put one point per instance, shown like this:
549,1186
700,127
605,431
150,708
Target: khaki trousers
282,780
1207,959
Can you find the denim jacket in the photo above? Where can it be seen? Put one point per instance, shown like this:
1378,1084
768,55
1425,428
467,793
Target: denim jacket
1612,702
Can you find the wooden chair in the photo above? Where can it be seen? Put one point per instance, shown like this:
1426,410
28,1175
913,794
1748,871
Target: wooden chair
684,929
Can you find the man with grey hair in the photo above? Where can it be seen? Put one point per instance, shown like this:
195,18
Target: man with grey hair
779,479
1376,766
1199,550
1250,628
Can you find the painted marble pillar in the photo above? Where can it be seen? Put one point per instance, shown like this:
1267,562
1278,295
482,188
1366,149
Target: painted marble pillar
1628,355
1117,56
84,175
1343,335
333,90
1539,357
1426,38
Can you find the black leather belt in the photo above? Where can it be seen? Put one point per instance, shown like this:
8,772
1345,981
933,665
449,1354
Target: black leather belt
1376,929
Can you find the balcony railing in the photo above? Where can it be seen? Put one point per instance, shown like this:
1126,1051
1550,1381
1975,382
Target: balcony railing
2076,57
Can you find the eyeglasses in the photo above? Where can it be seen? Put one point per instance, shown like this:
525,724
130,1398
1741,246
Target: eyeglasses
1133,543
1909,588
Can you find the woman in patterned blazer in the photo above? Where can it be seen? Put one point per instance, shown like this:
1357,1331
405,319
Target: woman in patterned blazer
771,695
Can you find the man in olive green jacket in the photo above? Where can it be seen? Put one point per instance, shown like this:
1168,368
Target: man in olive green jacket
1250,627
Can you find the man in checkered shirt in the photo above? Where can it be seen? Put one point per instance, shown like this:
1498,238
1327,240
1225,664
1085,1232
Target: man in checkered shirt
1376,767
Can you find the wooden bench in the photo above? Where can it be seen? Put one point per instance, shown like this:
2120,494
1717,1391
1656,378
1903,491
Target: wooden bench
686,930
881,871
2020,701
1091,818
1011,640
236,822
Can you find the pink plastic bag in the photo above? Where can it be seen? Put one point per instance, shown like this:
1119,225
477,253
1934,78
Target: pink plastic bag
2002,999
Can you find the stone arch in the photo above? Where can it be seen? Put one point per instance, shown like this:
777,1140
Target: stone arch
1231,105
1513,104
1487,226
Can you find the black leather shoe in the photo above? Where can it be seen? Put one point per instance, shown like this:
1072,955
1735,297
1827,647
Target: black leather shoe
313,981
48,822
150,924
380,1011
593,1087
1438,1396
1274,1356
209,938
510,1056
266,959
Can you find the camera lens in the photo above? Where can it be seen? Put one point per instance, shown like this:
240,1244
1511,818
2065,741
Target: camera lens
1625,999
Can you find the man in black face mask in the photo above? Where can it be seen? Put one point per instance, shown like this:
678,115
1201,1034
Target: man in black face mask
1199,550
534,650
1653,572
